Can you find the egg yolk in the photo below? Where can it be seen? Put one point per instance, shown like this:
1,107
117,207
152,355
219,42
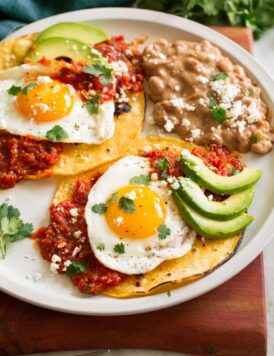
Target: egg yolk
149,213
46,101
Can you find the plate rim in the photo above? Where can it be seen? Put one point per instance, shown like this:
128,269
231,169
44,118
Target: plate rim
228,270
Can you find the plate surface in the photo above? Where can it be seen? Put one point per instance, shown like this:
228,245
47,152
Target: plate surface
33,197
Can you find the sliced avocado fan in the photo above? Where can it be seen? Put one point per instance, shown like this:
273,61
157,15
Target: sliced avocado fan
227,209
209,228
195,168
76,30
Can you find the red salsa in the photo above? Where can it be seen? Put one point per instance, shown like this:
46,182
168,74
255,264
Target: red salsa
22,156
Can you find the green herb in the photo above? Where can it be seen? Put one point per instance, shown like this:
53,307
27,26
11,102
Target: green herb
12,228
234,171
250,92
99,70
218,114
254,139
164,175
99,208
57,133
254,14
169,294
212,101
14,90
77,268
140,180
112,199
93,104
127,205
28,87
163,231
100,246
76,126
163,164
219,76
119,248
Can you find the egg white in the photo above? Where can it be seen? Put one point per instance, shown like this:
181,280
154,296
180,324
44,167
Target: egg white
140,255
80,126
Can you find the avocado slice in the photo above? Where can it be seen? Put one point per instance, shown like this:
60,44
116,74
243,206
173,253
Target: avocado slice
195,168
57,47
209,228
229,208
75,30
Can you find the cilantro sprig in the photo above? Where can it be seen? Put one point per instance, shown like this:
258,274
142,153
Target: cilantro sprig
99,70
219,76
163,231
93,104
101,208
163,164
77,267
127,205
12,228
119,248
15,90
140,180
217,113
57,133
100,246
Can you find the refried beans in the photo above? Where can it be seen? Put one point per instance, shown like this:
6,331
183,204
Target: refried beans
204,97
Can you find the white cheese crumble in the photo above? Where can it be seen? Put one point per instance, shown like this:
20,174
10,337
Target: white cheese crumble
131,195
75,251
74,212
241,125
54,268
77,234
119,67
43,79
67,263
195,133
161,55
202,79
154,176
163,184
177,102
185,122
226,91
169,126
254,113
175,185
55,258
118,221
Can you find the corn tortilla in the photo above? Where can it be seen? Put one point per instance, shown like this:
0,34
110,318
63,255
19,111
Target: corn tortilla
77,158
204,257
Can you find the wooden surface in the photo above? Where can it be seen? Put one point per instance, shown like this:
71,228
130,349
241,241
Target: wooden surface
229,320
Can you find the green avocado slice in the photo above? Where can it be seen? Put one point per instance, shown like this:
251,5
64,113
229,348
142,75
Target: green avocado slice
229,208
57,47
195,168
209,228
76,30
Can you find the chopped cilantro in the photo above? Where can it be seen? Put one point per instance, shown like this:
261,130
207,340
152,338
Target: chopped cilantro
169,294
28,87
141,180
127,205
250,92
12,228
100,246
119,248
163,231
218,114
14,90
57,133
99,208
93,104
212,101
99,70
163,163
164,175
112,199
234,171
77,268
254,139
219,76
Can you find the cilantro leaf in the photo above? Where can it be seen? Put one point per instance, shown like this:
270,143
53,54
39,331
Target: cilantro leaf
164,175
163,231
28,87
112,199
77,268
100,208
219,76
254,139
100,246
212,101
12,228
14,90
57,133
119,248
163,164
218,114
99,70
93,104
127,205
140,180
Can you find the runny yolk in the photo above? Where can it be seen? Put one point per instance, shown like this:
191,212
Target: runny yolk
46,101
143,222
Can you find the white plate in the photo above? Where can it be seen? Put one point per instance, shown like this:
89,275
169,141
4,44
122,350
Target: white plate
33,198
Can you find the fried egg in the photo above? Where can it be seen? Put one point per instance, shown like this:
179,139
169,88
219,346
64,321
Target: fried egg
149,231
49,103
